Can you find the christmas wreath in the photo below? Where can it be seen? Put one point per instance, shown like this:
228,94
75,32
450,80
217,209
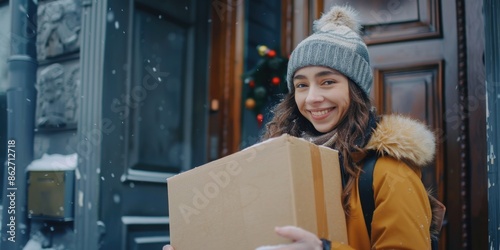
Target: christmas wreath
266,82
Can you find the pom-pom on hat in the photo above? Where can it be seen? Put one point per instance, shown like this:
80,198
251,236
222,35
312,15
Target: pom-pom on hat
336,44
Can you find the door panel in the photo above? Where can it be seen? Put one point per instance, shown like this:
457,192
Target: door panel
415,66
416,91
157,114
395,21
140,232
156,83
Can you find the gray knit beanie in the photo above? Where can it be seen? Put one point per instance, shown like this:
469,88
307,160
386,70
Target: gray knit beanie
336,44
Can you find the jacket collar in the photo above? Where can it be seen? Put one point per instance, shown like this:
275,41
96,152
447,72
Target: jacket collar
404,139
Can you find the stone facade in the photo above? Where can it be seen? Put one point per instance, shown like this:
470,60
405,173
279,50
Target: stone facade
58,43
59,24
57,95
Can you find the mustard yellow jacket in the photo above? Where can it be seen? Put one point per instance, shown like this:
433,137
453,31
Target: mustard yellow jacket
402,215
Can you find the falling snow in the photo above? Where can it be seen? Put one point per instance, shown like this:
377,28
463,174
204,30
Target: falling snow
110,16
116,198
22,9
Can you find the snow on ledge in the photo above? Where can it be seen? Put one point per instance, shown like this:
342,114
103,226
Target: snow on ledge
54,162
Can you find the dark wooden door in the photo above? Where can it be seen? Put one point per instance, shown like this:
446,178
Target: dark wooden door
414,49
155,92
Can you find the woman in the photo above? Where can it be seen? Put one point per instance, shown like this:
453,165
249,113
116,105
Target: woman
329,80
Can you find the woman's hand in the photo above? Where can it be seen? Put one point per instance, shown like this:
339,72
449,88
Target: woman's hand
167,247
302,240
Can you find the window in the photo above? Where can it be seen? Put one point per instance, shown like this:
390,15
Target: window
167,121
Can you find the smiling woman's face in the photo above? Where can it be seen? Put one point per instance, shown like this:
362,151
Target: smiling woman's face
322,96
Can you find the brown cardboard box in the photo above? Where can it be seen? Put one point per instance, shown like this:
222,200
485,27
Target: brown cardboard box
235,202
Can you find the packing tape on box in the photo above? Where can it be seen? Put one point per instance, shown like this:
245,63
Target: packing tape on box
319,192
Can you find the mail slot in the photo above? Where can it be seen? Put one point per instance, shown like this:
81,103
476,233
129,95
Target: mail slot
50,195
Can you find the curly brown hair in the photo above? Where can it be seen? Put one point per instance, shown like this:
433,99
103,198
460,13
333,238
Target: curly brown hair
351,131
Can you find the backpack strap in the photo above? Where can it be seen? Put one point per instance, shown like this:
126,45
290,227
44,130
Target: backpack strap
365,187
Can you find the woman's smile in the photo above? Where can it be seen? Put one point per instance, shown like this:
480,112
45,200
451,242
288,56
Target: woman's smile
320,114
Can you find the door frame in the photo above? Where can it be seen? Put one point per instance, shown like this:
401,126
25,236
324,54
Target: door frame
226,68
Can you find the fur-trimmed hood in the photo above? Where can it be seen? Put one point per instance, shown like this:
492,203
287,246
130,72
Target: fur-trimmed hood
404,139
